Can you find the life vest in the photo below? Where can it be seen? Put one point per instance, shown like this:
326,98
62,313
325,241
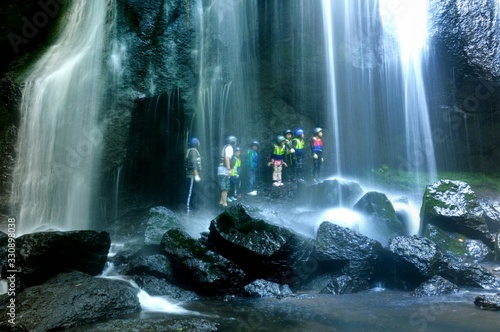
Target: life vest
299,145
317,145
223,153
235,170
278,152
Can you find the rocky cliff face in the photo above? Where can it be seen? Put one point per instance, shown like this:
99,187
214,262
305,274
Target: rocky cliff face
466,37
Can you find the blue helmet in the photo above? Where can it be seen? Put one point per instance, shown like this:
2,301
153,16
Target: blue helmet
299,132
194,142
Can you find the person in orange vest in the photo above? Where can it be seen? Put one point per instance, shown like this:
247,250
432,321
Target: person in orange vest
317,152
277,160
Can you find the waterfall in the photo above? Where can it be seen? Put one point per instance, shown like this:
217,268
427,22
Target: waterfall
59,135
375,53
226,54
407,22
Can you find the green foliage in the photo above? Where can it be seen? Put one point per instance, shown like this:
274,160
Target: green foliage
481,183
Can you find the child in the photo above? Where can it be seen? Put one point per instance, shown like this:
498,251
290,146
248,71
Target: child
288,158
317,151
298,157
252,161
277,160
235,175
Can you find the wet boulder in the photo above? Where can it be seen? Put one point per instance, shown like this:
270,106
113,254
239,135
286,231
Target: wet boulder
488,302
40,256
154,265
262,250
457,247
337,243
341,278
159,221
435,286
155,286
492,216
381,215
329,193
410,260
196,267
469,275
69,300
454,207
344,261
263,288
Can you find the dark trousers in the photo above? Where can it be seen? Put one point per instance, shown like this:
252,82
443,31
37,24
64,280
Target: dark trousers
317,163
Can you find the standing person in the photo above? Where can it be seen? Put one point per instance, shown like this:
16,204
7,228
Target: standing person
288,158
251,165
234,180
298,157
277,160
193,169
224,169
317,151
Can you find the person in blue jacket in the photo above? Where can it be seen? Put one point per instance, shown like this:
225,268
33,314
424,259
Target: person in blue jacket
251,165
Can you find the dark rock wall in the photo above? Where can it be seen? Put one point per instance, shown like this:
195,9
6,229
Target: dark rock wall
466,117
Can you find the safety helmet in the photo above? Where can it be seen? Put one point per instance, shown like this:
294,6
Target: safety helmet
256,143
317,130
232,140
299,132
237,149
194,142
280,139
287,131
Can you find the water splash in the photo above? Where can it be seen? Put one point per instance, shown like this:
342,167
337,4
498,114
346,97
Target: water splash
148,302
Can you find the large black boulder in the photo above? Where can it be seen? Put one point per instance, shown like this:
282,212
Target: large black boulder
488,302
262,250
410,260
381,216
469,275
435,286
337,243
454,207
69,300
196,267
40,256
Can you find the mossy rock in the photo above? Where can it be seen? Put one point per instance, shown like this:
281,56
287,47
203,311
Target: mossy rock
454,207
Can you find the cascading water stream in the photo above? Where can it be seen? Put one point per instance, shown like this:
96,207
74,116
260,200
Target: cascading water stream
59,136
407,22
375,54
226,91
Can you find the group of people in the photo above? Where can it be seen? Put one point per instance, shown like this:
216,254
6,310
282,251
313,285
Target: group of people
229,170
287,160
